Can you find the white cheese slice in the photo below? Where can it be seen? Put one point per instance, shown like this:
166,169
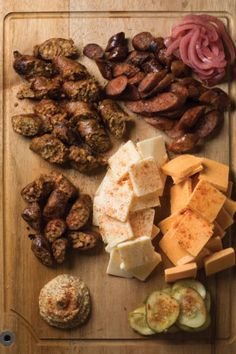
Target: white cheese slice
114,268
117,198
106,180
143,271
97,209
155,148
136,252
145,177
123,158
114,231
142,222
150,200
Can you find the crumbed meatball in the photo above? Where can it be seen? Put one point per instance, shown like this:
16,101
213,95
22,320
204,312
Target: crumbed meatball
41,87
38,190
59,248
64,185
32,215
54,47
66,133
29,66
56,205
83,159
70,69
50,149
41,249
51,113
82,90
114,117
54,229
82,240
27,124
80,213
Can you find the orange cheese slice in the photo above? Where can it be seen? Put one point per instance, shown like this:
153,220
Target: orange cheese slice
182,166
230,206
224,219
206,200
167,223
192,232
219,261
176,254
214,244
179,195
201,257
181,272
216,173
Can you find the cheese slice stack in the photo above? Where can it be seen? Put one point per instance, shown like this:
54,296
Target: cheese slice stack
124,207
200,214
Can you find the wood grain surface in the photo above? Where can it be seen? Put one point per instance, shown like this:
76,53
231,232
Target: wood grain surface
23,25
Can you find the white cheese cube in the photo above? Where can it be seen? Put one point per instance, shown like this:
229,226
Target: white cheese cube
122,159
150,200
145,177
117,198
136,253
106,181
143,271
97,209
114,231
155,148
114,268
142,222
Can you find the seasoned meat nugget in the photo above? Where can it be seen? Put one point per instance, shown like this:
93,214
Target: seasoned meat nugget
27,124
83,90
50,149
80,213
83,241
54,47
38,190
93,134
51,113
80,110
59,248
32,215
41,87
65,302
65,133
70,69
114,117
41,249
63,184
29,66
54,229
56,205
83,160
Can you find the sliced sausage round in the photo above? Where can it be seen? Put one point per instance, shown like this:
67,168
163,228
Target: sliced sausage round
150,81
208,124
116,86
151,66
118,53
137,78
93,51
105,68
191,116
142,41
160,123
116,40
136,57
126,69
184,144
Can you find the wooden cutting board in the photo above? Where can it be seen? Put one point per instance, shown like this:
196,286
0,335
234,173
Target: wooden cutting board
23,25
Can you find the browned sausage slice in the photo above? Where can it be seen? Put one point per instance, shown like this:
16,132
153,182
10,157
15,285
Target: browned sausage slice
131,93
184,144
105,68
163,102
161,86
116,86
150,81
142,41
160,123
208,124
116,40
93,51
137,78
118,53
151,66
217,98
137,57
190,117
126,69
179,69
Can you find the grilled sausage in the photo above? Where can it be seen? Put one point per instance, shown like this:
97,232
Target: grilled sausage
50,149
179,69
116,86
137,58
83,159
126,69
82,90
151,66
27,124
41,249
191,116
80,213
160,123
93,51
217,98
63,184
38,190
150,81
59,249
56,205
70,69
184,144
32,215
116,40
142,41
54,229
137,78
105,68
163,58
208,124
54,47
83,241
118,53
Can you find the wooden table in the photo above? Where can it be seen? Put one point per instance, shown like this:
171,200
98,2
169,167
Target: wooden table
26,23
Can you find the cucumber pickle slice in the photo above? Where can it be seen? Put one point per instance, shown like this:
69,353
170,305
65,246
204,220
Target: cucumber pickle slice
191,283
137,321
